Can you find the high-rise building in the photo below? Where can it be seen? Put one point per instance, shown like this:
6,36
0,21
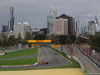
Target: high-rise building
85,30
11,20
34,31
4,28
97,24
21,28
44,31
78,27
60,26
50,20
71,23
92,27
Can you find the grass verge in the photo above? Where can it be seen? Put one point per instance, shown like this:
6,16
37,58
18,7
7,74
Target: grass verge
18,54
86,72
25,61
73,64
17,62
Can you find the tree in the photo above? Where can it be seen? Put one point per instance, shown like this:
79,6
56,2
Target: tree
28,36
77,42
48,38
95,43
62,38
73,38
4,42
55,40
82,40
40,37
1,42
89,41
68,41
11,41
24,42
19,38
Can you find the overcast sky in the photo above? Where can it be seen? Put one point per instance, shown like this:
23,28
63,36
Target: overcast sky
35,11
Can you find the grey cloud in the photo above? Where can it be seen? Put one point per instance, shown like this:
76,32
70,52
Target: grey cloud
35,11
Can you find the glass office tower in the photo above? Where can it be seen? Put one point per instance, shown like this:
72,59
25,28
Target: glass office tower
50,19
11,20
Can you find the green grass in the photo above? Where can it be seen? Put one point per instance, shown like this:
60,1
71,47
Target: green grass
86,72
18,62
74,64
22,53
26,61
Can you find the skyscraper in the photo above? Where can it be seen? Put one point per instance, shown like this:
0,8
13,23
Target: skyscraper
4,28
92,27
78,27
21,28
60,26
11,20
50,20
71,23
97,24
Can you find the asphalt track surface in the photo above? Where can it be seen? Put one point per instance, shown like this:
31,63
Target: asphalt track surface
45,53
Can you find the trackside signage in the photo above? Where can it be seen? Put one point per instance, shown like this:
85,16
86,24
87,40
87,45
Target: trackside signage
38,41
55,46
35,44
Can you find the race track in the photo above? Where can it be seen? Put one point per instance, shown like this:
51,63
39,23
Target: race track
45,53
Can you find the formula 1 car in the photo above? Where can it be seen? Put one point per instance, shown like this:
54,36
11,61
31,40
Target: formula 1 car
56,53
44,62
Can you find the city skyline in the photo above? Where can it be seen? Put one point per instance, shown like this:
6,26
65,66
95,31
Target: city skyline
35,12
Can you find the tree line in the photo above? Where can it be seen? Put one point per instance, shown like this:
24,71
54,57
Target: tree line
94,41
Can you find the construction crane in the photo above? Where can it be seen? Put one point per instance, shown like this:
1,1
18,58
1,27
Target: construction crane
86,18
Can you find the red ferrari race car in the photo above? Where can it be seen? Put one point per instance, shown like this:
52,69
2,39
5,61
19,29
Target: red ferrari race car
44,62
